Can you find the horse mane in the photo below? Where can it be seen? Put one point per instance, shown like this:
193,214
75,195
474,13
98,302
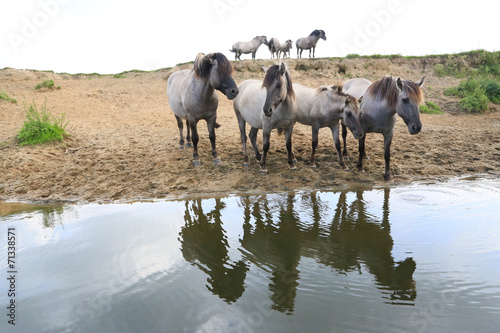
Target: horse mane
203,64
338,90
274,73
316,33
387,88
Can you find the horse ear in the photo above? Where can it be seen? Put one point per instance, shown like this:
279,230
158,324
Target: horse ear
282,68
360,100
399,83
421,82
211,58
265,69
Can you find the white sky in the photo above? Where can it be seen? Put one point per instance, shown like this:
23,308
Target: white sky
111,36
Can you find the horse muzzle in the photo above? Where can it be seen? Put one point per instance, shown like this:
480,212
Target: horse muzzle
268,111
414,128
358,134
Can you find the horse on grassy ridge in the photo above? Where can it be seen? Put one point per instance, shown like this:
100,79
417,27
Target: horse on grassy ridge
252,46
309,42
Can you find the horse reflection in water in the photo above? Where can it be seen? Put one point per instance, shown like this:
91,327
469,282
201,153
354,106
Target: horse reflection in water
278,230
353,238
204,245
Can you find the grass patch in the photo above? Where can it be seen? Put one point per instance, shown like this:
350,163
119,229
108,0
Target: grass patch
46,85
430,108
41,126
5,97
476,93
119,76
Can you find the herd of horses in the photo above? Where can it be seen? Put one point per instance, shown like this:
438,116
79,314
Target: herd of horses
277,103
279,49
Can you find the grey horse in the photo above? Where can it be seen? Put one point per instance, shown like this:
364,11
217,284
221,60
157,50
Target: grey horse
309,42
285,48
273,46
382,101
324,107
267,105
240,48
191,96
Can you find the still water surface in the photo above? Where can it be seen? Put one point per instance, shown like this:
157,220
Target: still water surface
420,258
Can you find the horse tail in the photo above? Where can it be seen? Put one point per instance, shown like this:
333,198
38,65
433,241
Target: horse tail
280,131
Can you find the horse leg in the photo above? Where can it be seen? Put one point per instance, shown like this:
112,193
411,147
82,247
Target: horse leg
180,126
345,154
336,139
291,156
387,155
242,126
196,138
189,144
253,139
266,138
211,135
361,153
315,131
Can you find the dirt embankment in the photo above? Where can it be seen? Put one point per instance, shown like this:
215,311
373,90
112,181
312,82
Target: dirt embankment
123,142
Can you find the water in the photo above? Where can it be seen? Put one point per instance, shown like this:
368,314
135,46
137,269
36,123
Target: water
420,258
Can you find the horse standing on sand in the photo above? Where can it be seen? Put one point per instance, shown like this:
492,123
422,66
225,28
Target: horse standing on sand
324,107
309,42
248,47
285,48
267,105
191,96
382,101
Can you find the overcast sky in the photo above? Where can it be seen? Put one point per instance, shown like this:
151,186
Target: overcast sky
111,36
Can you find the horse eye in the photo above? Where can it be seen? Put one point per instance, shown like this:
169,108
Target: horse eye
406,100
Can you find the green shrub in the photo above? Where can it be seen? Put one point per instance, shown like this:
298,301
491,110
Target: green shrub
491,89
476,103
430,108
476,93
41,126
5,97
47,84
439,70
119,76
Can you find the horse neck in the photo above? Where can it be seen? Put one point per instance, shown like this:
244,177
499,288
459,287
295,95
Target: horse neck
202,87
314,39
378,105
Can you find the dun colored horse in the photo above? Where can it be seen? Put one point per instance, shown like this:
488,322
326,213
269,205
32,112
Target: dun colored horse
382,101
191,96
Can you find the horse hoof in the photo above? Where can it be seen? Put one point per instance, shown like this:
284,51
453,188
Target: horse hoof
294,161
263,171
217,161
246,164
347,170
196,163
293,167
189,145
313,166
181,147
